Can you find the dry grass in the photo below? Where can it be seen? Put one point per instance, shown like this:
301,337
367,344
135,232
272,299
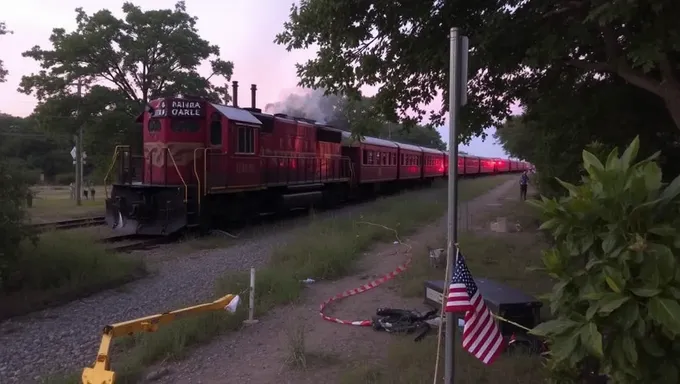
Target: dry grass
323,249
61,267
499,256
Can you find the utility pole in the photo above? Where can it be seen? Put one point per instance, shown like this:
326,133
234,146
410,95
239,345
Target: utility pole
79,150
458,56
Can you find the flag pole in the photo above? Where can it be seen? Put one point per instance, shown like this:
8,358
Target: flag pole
452,235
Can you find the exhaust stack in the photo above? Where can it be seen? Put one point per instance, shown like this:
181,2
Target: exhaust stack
234,85
253,96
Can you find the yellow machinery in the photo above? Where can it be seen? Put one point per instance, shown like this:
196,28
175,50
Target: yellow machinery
100,373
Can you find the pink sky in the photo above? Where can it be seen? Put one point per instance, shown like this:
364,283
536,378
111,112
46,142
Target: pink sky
243,29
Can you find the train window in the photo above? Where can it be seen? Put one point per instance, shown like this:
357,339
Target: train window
246,139
216,129
370,157
384,158
154,126
365,157
377,158
401,161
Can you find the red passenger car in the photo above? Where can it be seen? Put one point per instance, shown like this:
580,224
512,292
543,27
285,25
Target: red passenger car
374,159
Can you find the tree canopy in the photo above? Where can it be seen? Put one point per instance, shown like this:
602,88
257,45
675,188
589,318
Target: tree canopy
121,64
3,71
518,49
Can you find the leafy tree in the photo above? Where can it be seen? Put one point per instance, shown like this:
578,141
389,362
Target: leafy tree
616,262
559,123
518,49
26,147
121,64
3,71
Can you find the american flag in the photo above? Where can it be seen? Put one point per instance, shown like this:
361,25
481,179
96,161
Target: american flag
481,335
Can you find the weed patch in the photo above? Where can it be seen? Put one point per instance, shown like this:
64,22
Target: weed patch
61,267
323,249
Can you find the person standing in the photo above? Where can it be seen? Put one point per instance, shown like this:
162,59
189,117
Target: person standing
523,184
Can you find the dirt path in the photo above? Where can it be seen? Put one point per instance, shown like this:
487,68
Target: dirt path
262,353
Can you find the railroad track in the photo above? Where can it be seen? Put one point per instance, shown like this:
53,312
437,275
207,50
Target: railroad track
70,224
128,243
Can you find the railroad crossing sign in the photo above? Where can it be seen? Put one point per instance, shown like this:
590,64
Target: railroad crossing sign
73,155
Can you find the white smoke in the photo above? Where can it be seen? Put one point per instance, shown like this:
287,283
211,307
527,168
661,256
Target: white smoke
309,104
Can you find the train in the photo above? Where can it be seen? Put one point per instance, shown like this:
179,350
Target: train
204,164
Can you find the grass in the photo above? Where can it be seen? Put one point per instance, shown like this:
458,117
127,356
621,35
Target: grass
54,203
499,256
323,249
63,266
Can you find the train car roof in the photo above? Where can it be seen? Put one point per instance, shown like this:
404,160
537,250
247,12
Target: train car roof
236,114
347,139
431,150
409,147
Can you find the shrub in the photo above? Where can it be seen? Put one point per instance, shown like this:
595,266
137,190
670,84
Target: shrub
615,304
13,192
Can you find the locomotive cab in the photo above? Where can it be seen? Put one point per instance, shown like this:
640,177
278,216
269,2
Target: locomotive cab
152,192
190,146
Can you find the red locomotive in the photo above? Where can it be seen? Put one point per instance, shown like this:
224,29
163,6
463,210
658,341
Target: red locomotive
203,162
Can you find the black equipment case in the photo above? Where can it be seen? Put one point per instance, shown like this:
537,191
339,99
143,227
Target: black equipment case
504,301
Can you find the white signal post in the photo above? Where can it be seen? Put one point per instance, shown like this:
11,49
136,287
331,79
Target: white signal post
457,97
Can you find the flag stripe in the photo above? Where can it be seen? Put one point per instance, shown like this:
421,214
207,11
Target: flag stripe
481,336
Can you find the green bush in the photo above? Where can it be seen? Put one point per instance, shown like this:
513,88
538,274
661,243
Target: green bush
13,192
615,304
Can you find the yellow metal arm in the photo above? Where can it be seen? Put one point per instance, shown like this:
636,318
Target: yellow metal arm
100,373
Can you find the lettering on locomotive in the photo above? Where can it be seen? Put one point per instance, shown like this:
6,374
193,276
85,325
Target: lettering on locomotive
179,108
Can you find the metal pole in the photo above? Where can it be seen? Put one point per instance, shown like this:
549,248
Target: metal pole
79,152
452,235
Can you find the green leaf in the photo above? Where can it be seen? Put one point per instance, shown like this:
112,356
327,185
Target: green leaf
549,224
591,161
672,190
630,153
611,302
609,242
627,314
640,328
593,263
591,338
653,175
665,259
665,312
592,310
563,347
629,348
573,190
554,327
613,159
664,231
645,292
614,279
649,274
